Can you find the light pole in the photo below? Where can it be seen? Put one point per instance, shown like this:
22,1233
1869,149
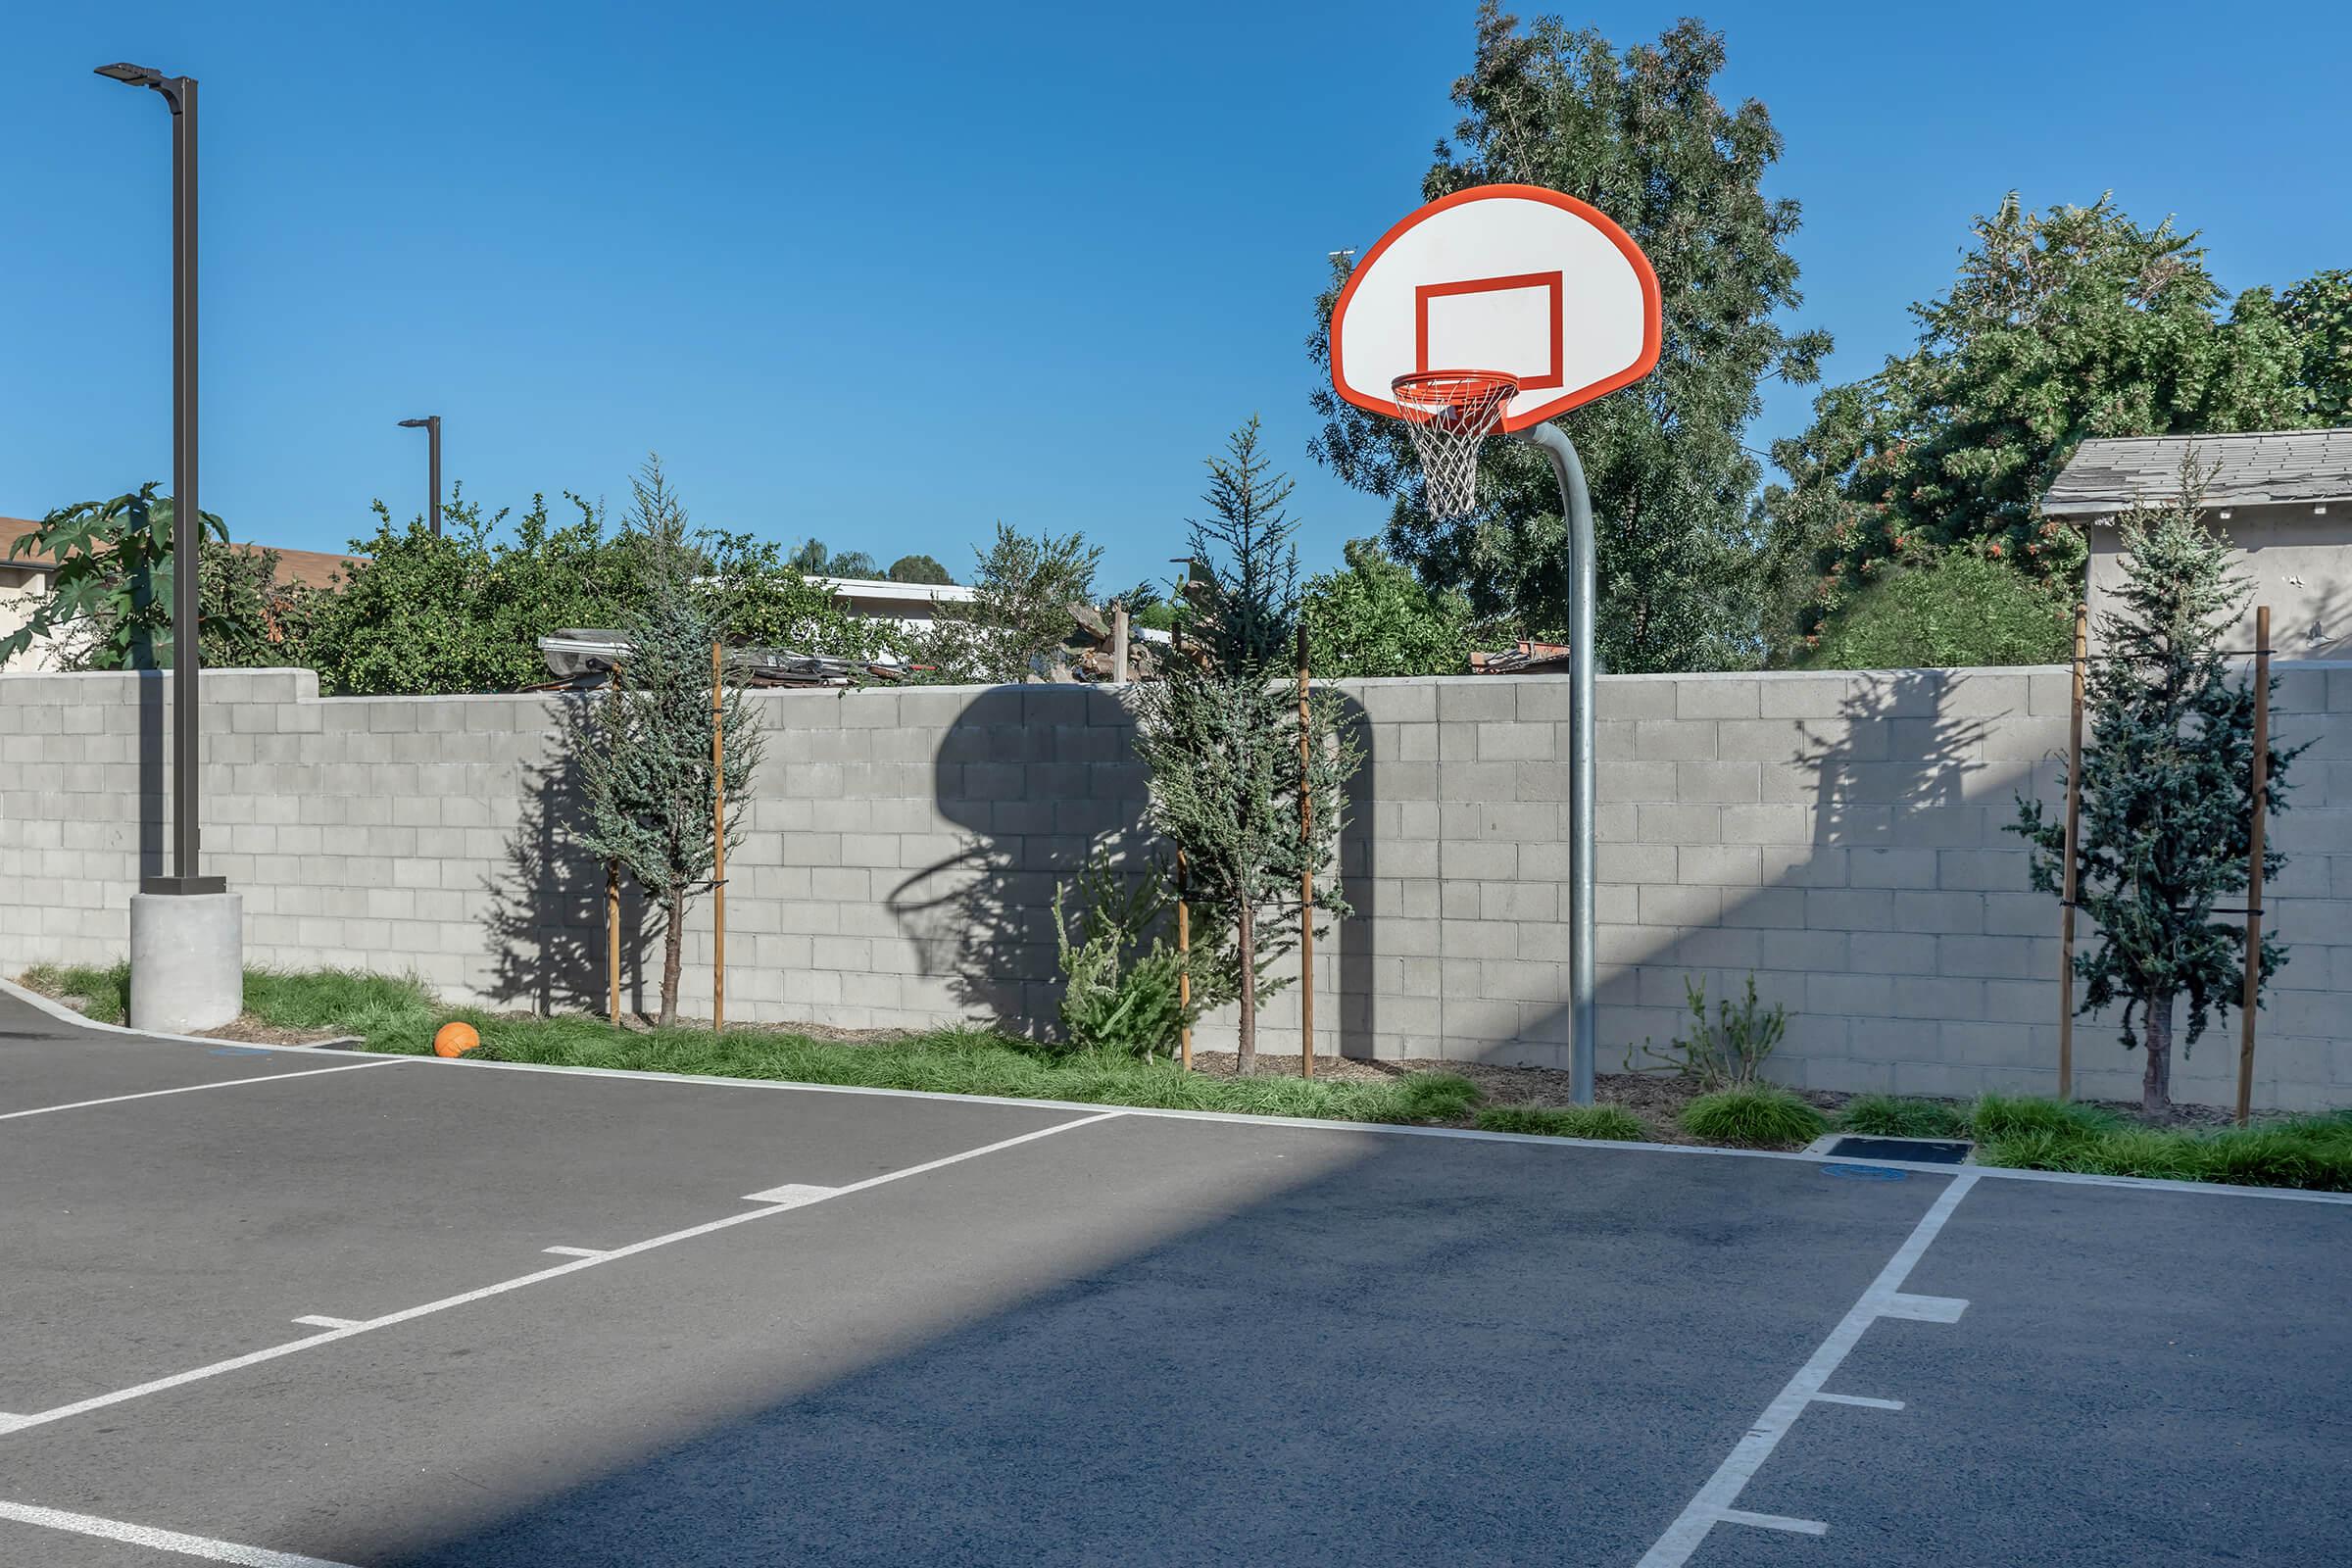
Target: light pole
187,525
430,424
187,931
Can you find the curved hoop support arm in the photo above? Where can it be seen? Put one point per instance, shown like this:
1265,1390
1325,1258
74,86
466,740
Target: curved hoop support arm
1576,507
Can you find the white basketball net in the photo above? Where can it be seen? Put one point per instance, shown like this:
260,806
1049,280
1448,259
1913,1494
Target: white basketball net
1449,414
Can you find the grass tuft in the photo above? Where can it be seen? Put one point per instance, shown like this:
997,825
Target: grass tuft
1999,1116
1888,1116
101,994
1612,1122
1763,1116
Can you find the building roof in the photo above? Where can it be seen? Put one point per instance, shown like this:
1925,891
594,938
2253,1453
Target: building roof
313,568
2111,473
865,589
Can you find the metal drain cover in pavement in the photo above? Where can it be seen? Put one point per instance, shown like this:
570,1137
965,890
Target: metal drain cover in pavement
1924,1150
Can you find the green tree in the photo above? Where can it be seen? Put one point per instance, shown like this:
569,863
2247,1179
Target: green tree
2167,792
919,570
248,618
1962,608
1377,619
2319,312
1019,614
110,600
644,744
1220,738
1642,136
2060,325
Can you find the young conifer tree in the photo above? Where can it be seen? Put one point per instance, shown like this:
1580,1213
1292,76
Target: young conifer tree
1220,736
645,743
2168,776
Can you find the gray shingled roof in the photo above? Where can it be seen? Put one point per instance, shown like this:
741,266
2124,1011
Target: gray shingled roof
2110,474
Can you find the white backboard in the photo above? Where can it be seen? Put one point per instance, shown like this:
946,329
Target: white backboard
1513,279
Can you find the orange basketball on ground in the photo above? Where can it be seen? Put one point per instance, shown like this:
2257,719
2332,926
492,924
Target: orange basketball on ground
454,1040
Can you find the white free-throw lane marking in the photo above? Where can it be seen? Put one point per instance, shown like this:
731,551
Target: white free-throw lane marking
575,1251
191,1089
1865,1400
794,1195
317,1322
1884,1299
82,1523
408,1315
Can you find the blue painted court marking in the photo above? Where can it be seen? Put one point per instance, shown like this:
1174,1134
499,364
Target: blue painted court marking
1866,1173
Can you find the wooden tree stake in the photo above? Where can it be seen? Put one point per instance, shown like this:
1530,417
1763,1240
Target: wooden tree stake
718,843
1183,975
2074,825
612,935
2254,877
1307,881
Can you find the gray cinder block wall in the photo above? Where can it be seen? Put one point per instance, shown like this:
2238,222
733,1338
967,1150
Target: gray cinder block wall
1839,836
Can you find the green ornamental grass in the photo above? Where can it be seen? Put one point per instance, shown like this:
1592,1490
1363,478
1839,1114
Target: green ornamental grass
1888,1116
1761,1116
1612,1122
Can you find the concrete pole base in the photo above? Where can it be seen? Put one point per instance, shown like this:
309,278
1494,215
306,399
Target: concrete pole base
187,961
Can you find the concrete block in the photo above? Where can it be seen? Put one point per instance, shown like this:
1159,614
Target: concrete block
1681,905
1634,696
1673,740
1476,699
1675,823
1988,957
1509,741
1722,865
1801,696
1718,697
1723,783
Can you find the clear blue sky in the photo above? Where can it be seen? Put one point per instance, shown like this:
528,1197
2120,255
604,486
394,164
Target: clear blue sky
888,273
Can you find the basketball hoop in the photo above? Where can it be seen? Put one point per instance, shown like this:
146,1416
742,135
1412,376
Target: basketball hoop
1449,414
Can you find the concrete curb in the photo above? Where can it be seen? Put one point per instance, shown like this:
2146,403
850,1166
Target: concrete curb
1242,1119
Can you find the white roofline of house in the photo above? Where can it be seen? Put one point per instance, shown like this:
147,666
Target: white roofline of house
952,593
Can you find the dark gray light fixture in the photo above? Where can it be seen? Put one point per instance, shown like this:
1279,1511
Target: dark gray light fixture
187,525
430,424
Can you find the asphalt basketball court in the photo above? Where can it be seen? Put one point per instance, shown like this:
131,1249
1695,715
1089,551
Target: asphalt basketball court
285,1307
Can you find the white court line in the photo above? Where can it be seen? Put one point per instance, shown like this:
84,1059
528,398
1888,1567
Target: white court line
316,1321
82,1523
20,1423
575,1251
191,1089
1866,1401
1884,1299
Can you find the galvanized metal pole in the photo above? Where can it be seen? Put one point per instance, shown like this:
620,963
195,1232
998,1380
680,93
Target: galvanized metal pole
432,462
1306,878
2254,878
1576,506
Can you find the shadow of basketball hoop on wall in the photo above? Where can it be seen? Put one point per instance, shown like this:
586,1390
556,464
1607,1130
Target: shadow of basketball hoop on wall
1035,779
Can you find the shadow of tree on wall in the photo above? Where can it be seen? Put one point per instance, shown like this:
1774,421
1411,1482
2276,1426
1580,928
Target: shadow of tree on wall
543,907
1893,760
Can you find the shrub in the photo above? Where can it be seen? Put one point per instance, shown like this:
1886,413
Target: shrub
1612,1122
1725,1054
1121,983
1757,1116
1886,1116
